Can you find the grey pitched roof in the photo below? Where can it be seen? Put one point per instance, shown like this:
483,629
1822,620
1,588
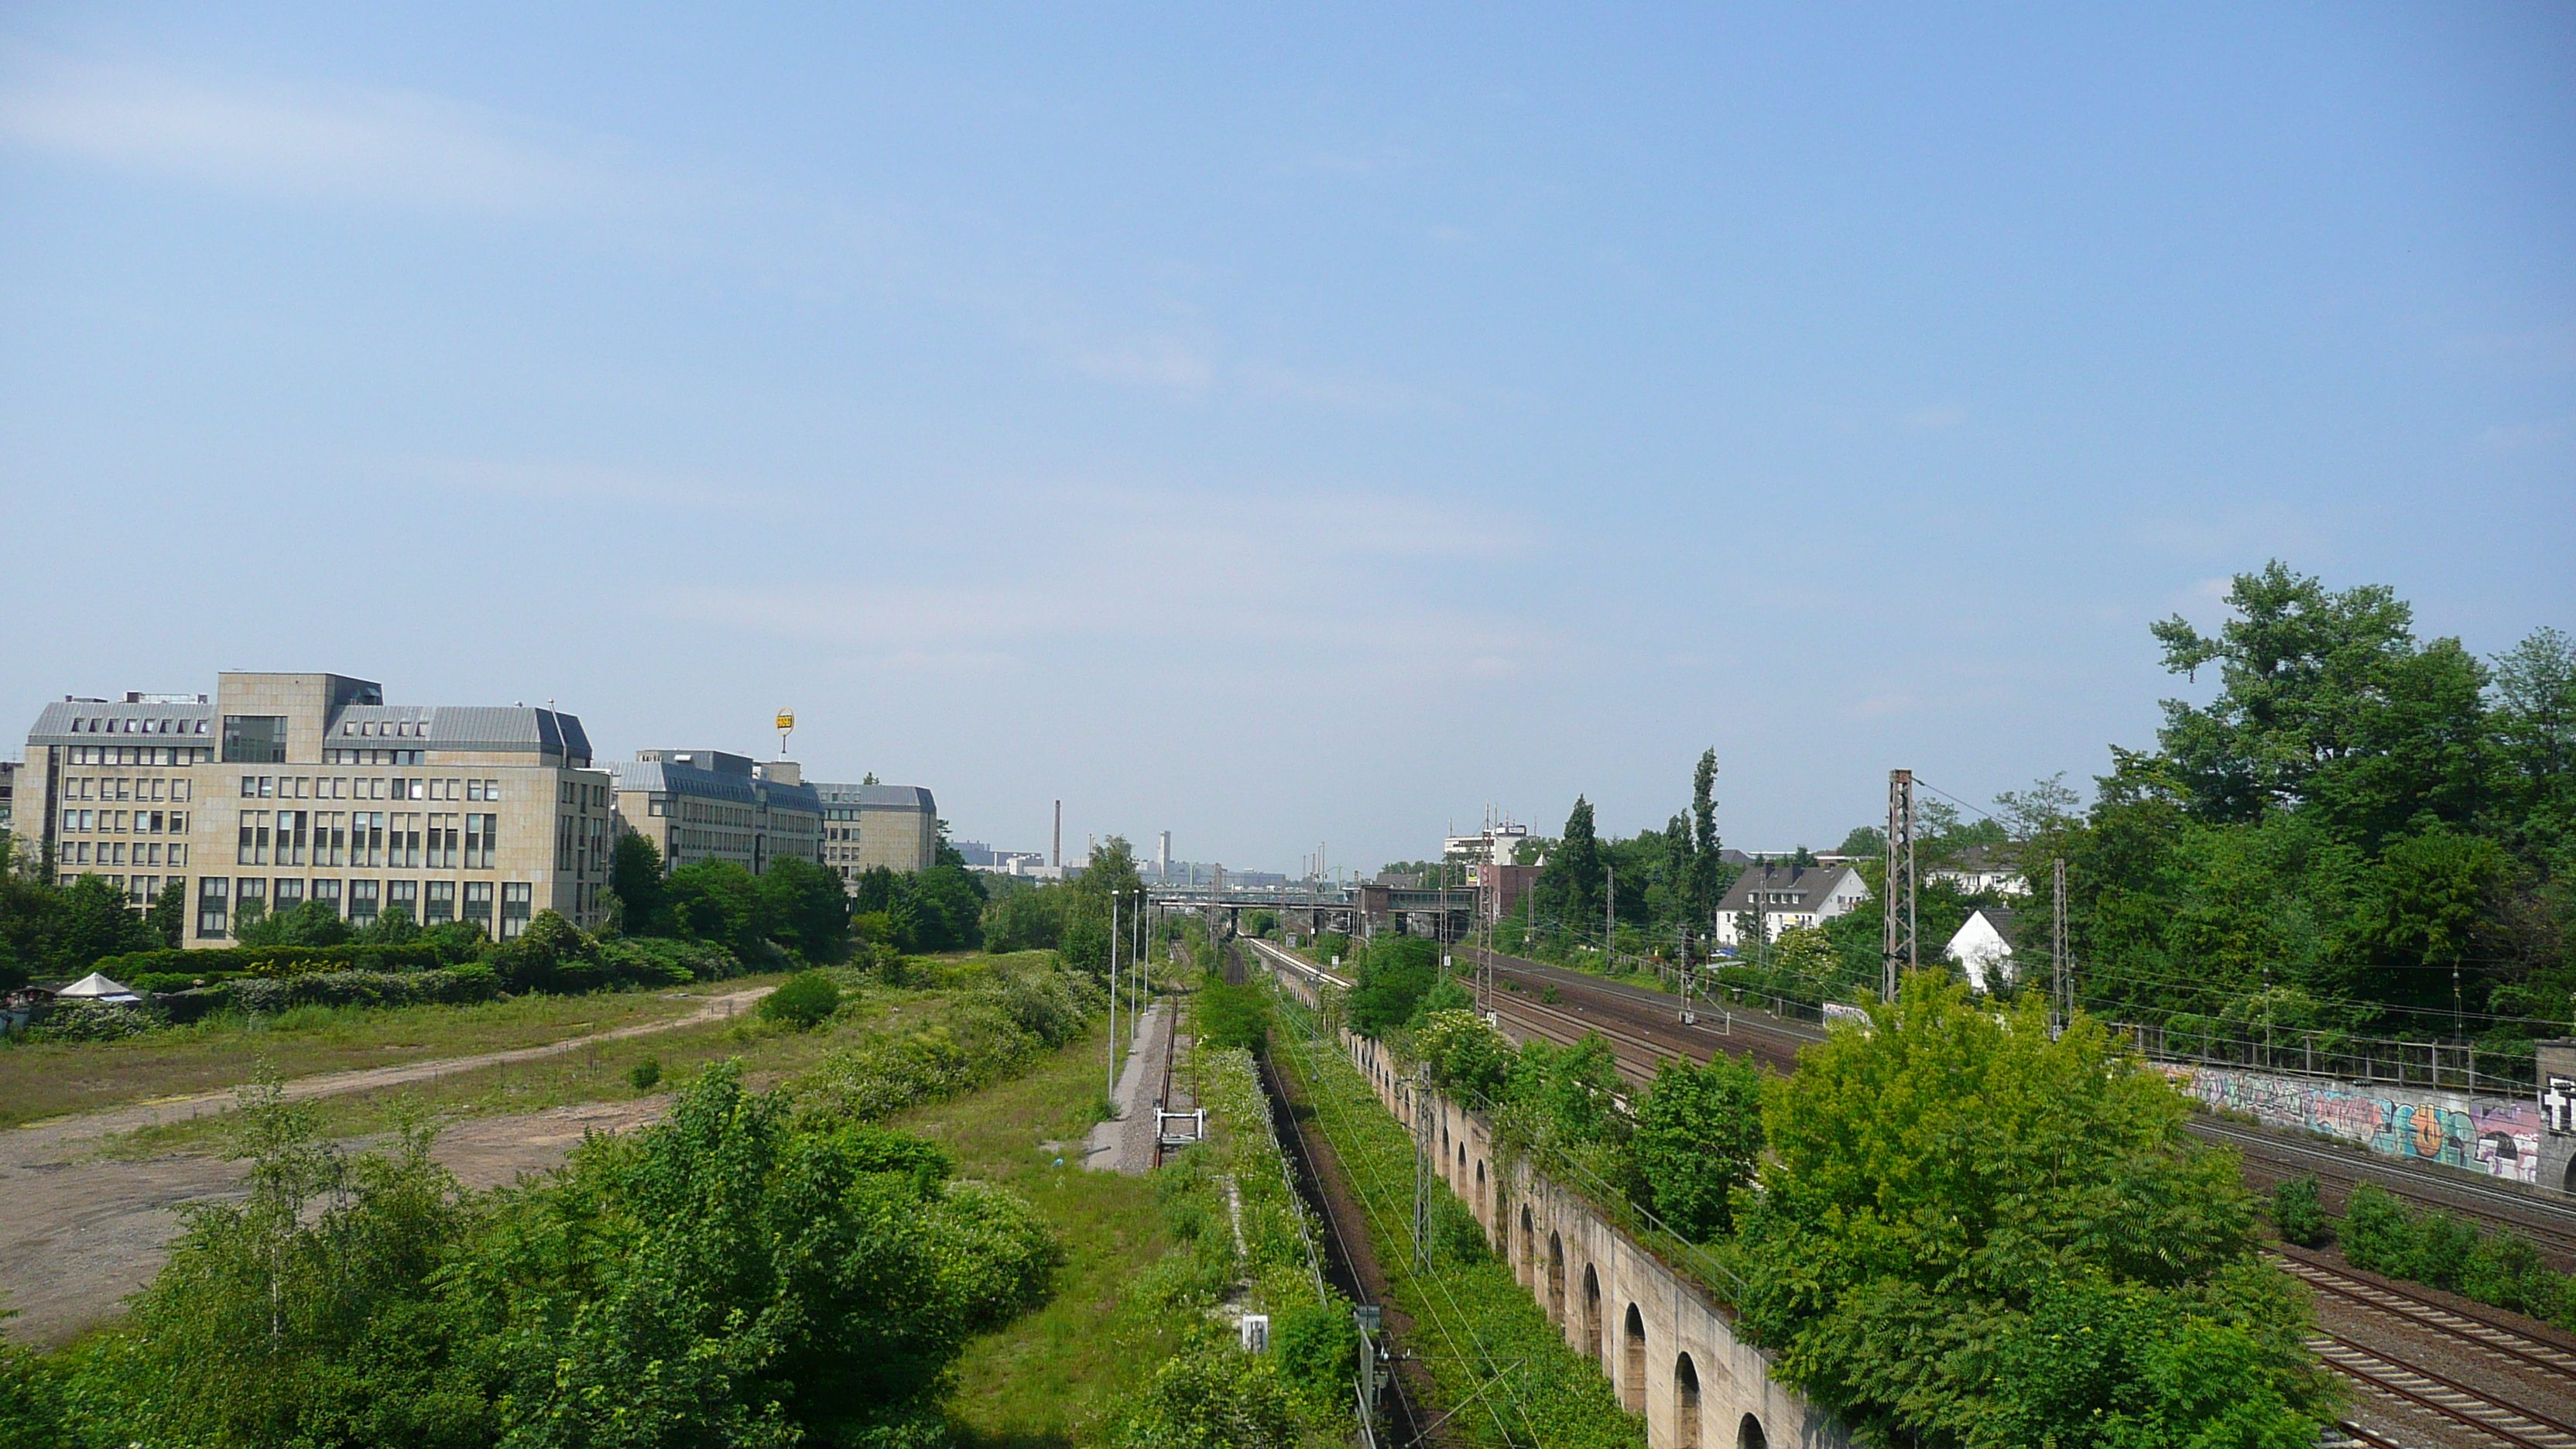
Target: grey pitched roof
98,718
881,797
662,777
1807,884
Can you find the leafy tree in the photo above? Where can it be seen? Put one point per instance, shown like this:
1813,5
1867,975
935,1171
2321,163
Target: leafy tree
2326,701
392,927
635,878
1390,980
717,900
1026,918
1571,884
1970,1233
168,917
1212,1398
803,907
94,921
1233,1016
1698,1138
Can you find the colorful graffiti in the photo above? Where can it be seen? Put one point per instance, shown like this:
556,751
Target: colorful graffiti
2499,1136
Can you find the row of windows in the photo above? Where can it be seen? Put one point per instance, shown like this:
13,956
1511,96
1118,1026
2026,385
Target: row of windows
139,755
86,725
431,903
700,812
368,838
343,787
371,757
118,852
390,728
581,841
125,822
588,796
124,787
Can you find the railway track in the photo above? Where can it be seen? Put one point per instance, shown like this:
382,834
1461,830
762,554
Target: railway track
2376,1371
1641,1015
2489,1334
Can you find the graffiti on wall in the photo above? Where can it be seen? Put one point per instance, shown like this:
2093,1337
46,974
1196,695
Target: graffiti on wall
2499,1136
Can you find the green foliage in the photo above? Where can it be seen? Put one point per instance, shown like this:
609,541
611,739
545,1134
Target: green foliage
1971,1233
1389,982
168,917
1233,1016
724,1277
90,1021
50,932
804,1001
939,909
2296,1213
635,879
2382,1235
1318,1348
1212,1397
1463,1055
645,1075
994,1026
1698,1139
313,923
1026,918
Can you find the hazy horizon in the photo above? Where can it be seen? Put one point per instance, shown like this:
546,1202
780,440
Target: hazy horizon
1279,429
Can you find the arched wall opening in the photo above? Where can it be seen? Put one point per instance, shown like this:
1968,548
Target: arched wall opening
1525,1267
1632,1362
1591,1314
1685,1403
1749,1435
1556,1278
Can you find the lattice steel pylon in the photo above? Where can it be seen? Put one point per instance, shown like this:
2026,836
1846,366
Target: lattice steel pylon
2064,984
1900,951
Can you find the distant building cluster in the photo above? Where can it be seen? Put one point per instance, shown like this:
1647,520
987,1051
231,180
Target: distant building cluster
285,789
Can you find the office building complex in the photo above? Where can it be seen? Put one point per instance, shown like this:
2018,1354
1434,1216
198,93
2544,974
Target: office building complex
896,826
709,805
288,788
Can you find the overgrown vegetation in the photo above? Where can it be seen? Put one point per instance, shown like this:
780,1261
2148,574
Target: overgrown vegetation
1490,1350
760,1269
2382,1235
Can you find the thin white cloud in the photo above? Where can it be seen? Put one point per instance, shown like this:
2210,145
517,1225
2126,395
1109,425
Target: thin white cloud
336,144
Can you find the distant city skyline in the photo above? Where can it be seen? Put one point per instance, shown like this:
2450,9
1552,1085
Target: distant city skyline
1279,428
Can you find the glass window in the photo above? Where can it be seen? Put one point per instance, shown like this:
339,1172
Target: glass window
290,894
441,905
514,906
212,904
327,892
406,894
255,739
362,901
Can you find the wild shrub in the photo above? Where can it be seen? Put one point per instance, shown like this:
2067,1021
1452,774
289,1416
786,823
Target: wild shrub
2297,1215
805,1000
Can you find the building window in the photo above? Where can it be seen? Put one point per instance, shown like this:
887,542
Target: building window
290,894
251,845
516,900
327,893
250,893
482,838
255,739
403,893
441,904
212,904
362,902
478,905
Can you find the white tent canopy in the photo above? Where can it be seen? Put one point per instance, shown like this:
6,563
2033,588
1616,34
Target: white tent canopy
95,987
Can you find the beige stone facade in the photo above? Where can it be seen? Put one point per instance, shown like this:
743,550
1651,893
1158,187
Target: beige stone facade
697,805
287,788
895,826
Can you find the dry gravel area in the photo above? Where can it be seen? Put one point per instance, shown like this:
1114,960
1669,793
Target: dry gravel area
79,1233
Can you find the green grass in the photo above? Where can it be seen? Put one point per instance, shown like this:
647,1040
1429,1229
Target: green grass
46,1079
1054,1377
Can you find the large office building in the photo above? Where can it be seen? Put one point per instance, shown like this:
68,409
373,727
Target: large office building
895,826
288,788
698,805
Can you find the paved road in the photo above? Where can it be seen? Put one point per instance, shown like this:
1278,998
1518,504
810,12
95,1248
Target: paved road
1126,1142
77,1234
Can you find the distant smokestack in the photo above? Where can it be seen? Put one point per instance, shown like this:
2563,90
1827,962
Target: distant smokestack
1055,856
1163,854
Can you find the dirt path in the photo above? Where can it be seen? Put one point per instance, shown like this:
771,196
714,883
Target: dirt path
78,1234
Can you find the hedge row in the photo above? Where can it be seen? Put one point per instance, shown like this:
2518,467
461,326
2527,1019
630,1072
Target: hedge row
272,960
267,995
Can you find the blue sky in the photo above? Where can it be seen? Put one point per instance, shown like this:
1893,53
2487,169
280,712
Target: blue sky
1312,426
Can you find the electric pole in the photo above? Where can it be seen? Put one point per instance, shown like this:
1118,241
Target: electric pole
1113,1001
1899,948
1610,915
1421,1180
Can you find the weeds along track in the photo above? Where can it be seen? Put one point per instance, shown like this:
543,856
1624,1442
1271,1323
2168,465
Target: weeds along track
1643,1025
2377,1371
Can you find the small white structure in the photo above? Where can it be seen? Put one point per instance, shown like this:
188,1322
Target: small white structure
95,987
1982,944
1981,868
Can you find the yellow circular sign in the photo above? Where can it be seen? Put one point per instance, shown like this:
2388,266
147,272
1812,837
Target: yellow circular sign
787,719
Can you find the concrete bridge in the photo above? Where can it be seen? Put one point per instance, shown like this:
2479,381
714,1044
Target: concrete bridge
1361,910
